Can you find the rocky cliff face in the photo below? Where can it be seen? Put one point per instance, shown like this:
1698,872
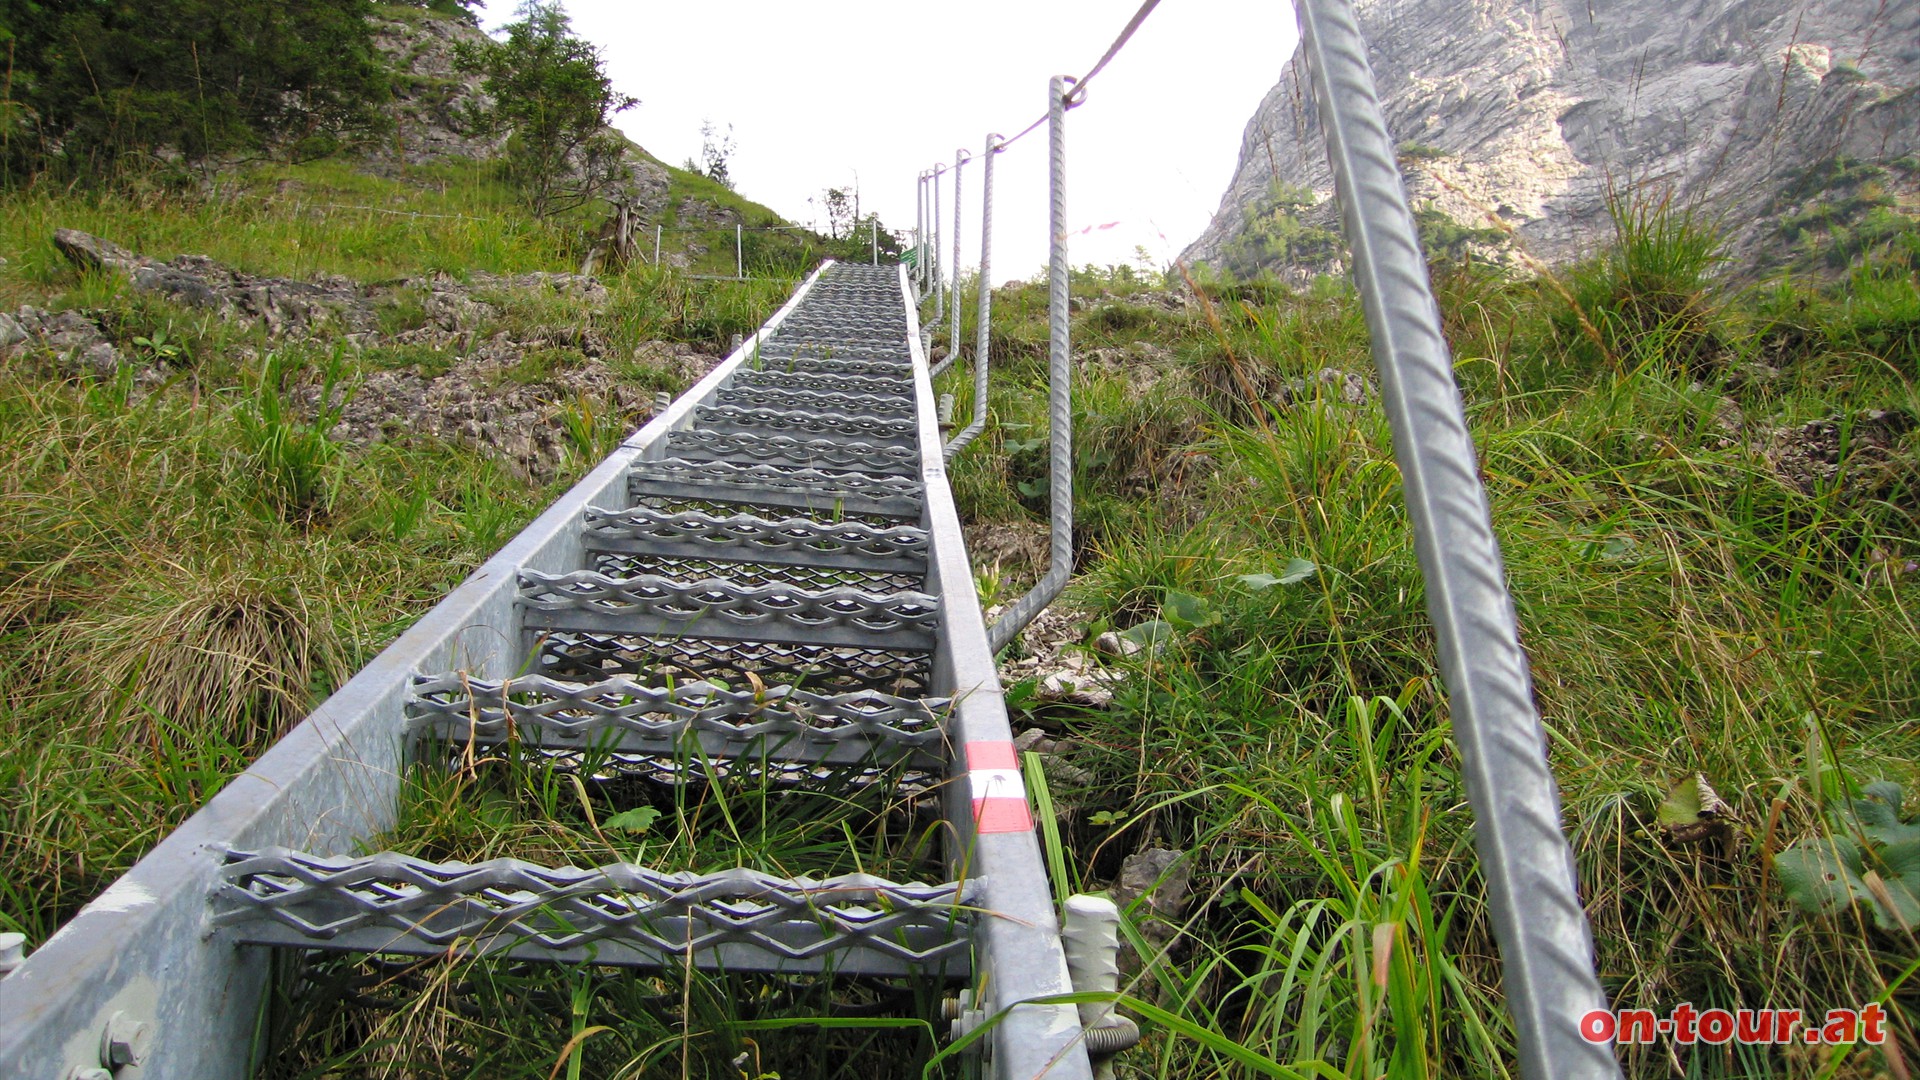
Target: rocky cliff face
1782,119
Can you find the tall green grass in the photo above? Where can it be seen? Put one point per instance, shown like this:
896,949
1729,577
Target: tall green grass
188,564
1694,599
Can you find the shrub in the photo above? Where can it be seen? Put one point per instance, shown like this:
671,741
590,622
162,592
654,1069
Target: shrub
97,87
550,95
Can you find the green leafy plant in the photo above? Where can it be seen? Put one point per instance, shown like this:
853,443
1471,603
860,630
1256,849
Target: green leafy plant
1871,857
160,348
1297,571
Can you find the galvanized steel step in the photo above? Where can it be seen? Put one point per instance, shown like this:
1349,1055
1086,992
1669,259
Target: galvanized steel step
644,536
879,430
828,382
757,397
678,658
675,483
620,914
593,602
625,716
699,445
775,358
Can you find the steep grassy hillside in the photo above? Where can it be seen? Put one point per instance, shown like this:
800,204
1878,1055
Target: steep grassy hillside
1709,503
187,559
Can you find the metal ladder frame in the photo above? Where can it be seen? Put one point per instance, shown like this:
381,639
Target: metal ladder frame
148,950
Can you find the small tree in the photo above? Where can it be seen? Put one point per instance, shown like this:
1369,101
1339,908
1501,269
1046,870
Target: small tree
716,150
843,208
552,99
866,233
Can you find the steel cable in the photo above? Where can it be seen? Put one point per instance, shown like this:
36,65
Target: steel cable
1080,84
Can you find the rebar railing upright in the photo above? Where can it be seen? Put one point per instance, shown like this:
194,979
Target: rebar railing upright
1545,943
983,319
787,525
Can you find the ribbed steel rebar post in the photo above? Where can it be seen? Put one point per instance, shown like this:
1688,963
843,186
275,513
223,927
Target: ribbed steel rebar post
953,327
960,159
1059,387
933,262
1546,947
982,316
919,236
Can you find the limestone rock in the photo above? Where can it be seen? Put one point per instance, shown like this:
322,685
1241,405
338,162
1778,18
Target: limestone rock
89,252
431,93
1518,114
484,399
1162,879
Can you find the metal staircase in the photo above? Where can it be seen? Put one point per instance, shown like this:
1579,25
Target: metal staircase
767,581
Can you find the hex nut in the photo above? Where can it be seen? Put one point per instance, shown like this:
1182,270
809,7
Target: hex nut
13,952
125,1041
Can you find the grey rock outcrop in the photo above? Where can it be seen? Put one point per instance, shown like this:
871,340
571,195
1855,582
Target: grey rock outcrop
430,92
485,397
279,304
1526,112
432,97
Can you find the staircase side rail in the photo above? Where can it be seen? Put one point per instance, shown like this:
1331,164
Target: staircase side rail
1017,934
146,947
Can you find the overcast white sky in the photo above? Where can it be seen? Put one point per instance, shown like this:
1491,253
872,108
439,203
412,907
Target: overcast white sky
872,92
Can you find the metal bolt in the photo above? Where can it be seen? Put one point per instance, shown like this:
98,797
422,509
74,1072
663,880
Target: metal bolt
125,1041
13,952
1109,1039
964,1017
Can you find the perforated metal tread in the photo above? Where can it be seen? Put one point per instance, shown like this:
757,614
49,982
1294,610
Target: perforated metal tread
672,659
593,602
828,494
620,564
691,545
703,445
622,716
828,381
750,538
864,360
754,397
811,424
620,914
